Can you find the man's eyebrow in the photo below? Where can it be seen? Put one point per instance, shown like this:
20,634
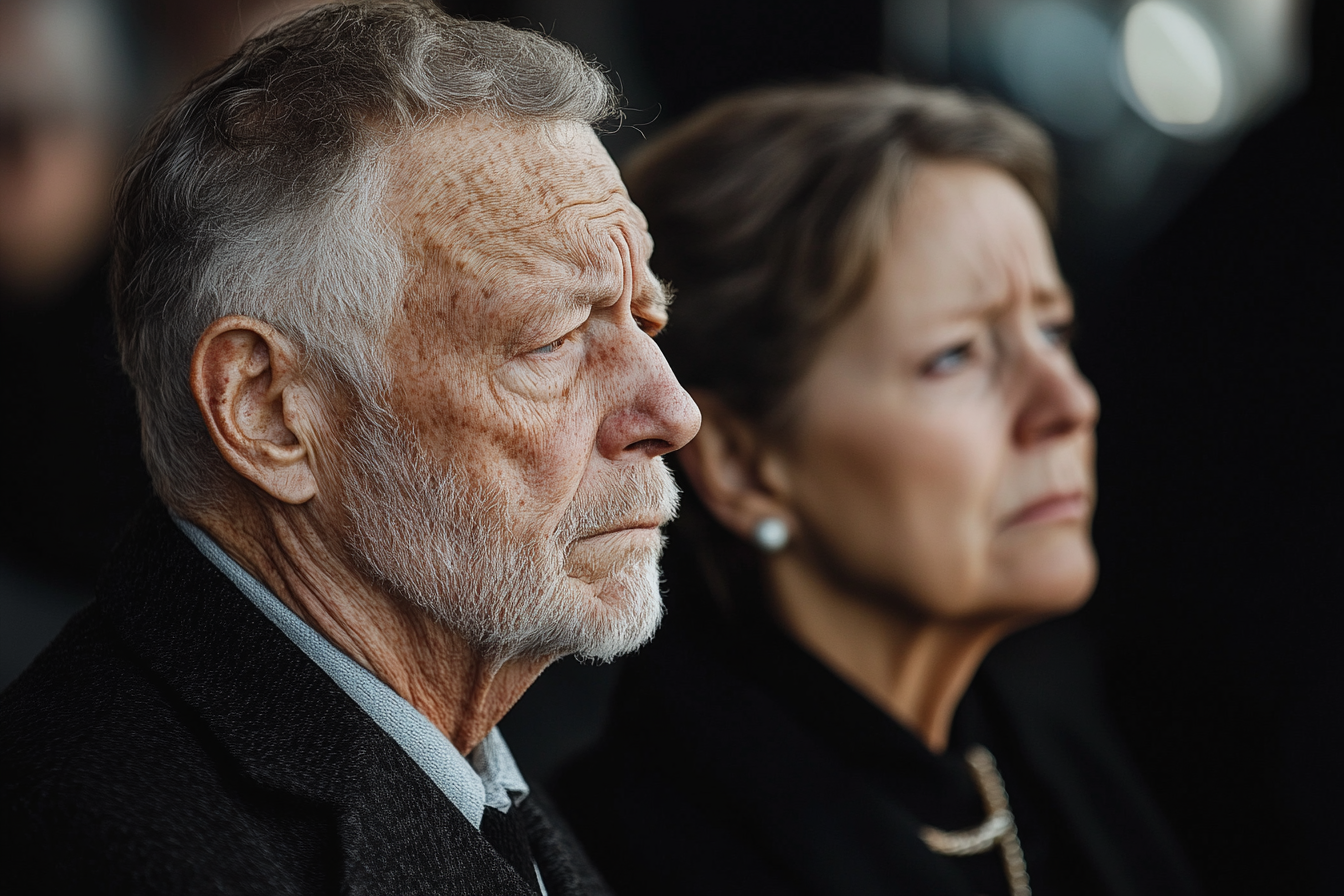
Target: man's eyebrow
651,293
592,284
657,296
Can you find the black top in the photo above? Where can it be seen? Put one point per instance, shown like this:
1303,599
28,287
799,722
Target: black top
173,740
738,763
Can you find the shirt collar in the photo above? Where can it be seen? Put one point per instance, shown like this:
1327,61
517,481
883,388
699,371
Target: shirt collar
488,776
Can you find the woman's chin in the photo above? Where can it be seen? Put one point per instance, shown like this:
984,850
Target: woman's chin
1050,582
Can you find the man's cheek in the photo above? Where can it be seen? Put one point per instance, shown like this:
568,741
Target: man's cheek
546,460
547,381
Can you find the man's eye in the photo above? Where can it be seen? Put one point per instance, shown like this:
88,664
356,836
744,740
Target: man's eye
550,346
1060,334
949,361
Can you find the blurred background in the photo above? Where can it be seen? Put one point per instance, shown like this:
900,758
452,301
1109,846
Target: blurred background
1200,154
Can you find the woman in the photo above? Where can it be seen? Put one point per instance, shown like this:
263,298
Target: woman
895,472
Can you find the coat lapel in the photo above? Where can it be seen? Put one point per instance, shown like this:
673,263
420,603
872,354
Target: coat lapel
564,867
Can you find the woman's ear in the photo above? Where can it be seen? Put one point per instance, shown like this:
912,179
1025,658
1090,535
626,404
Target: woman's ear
738,479
246,378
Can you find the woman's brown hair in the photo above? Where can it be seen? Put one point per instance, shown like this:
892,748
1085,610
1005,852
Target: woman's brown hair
769,210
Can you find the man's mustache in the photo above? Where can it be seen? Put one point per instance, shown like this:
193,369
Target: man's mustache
646,495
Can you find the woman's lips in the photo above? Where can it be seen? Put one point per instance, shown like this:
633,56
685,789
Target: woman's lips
1070,507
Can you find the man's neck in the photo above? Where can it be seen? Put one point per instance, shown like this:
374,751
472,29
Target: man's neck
304,565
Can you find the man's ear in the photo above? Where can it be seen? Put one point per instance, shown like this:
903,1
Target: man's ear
258,408
737,477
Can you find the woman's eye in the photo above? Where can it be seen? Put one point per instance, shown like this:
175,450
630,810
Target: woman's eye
1060,334
950,360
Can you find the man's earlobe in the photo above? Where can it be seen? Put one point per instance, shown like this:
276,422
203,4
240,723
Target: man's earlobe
246,378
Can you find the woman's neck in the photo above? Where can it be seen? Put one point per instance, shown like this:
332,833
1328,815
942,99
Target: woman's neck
916,668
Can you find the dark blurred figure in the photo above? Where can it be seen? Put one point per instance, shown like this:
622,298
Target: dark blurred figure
72,474
76,78
1220,528
894,474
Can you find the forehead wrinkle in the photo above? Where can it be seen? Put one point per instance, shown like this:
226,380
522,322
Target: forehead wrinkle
603,270
506,226
475,176
986,304
613,197
581,244
529,295
1007,256
1006,271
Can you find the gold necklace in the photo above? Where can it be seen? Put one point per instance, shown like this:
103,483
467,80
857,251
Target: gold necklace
998,829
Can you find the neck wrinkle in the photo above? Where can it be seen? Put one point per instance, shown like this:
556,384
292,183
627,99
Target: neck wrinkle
463,693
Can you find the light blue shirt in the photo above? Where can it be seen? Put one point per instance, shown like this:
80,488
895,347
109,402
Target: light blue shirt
488,776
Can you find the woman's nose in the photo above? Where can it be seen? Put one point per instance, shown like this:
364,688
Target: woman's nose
1059,400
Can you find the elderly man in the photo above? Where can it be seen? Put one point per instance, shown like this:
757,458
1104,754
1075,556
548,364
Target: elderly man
387,310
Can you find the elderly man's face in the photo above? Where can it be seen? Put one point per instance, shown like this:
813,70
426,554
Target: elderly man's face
525,374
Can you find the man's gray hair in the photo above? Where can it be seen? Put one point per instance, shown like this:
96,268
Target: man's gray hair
258,193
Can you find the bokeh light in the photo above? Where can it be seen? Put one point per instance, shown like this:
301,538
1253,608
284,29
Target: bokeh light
1174,67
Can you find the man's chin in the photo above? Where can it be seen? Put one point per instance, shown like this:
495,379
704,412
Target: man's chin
617,614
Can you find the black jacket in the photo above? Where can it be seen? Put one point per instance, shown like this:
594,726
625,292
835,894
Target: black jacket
734,762
173,740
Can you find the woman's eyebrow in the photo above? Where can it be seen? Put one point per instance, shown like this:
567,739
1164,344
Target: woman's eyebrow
1049,297
991,305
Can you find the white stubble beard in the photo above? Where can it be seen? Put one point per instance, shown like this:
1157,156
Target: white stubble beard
447,542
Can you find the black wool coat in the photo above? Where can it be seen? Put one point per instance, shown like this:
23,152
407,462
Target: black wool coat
735,763
173,740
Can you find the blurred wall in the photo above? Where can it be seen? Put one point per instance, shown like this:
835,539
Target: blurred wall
78,79
1215,351
70,82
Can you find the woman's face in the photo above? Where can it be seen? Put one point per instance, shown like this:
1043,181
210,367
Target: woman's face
943,453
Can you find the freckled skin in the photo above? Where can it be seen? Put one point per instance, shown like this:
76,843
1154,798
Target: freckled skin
537,242
520,237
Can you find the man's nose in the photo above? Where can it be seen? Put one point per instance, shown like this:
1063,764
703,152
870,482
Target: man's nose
654,415
1059,401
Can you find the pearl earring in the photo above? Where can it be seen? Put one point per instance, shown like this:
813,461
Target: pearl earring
771,534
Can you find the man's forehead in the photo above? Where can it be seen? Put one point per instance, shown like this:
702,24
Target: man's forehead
535,214
477,176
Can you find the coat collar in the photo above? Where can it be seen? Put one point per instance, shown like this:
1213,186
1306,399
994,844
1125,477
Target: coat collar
490,776
285,722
